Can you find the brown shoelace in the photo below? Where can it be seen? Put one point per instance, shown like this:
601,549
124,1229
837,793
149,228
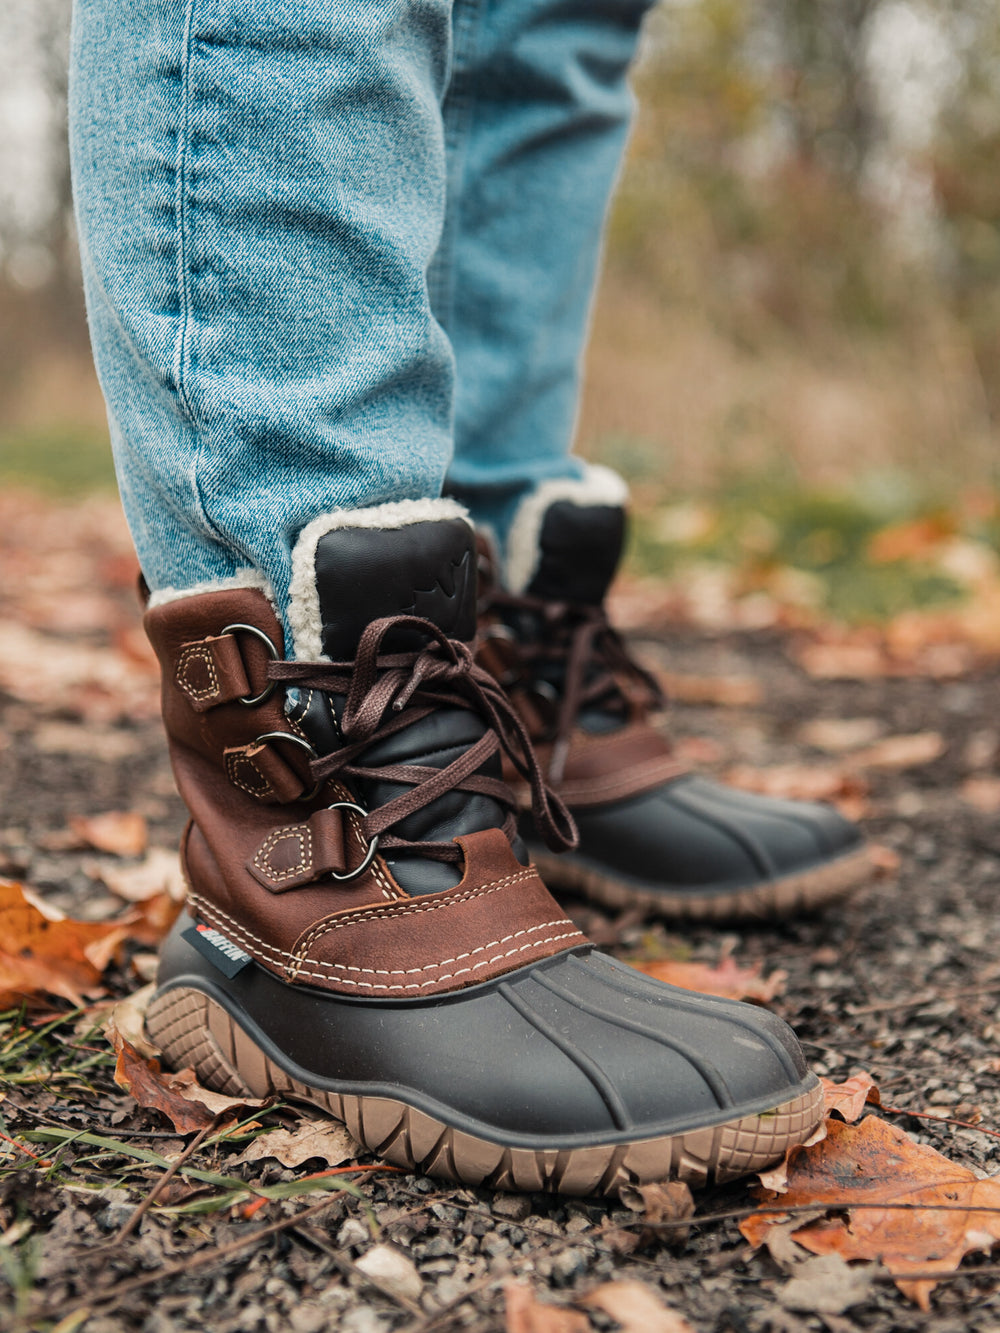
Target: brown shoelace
574,646
384,693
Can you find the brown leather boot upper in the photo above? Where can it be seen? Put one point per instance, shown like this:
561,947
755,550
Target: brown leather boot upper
278,856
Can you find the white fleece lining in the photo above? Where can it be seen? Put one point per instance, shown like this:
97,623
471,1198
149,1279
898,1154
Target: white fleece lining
303,599
598,486
243,578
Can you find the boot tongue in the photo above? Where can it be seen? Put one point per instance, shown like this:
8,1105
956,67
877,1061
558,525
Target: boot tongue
422,569
579,547
425,569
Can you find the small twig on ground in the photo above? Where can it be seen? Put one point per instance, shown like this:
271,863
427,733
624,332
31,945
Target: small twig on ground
128,1227
929,997
211,1254
794,1209
942,1119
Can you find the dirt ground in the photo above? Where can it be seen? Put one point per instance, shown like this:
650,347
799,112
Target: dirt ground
904,981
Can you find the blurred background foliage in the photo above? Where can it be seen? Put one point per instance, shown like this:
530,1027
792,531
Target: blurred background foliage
800,309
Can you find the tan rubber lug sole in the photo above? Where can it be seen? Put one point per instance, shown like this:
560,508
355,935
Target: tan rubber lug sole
193,1030
770,900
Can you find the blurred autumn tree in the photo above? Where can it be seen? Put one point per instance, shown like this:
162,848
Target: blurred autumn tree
803,259
807,239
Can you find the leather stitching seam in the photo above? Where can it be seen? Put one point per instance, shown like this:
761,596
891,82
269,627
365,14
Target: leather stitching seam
410,908
201,654
236,762
302,835
245,937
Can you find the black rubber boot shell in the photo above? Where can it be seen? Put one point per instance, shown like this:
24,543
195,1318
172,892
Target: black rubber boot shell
694,848
575,1074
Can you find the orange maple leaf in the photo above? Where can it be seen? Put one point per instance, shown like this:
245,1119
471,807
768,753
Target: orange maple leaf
46,953
876,1163
726,978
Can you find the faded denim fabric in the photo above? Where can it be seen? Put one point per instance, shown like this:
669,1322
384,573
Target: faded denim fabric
298,218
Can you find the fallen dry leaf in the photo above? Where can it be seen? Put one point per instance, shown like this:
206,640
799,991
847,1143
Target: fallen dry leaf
524,1314
636,1308
160,872
899,752
323,1139
129,1019
849,1098
863,659
837,735
804,782
179,1097
152,918
46,953
914,539
120,833
874,1162
659,1201
982,793
725,691
726,978
827,1285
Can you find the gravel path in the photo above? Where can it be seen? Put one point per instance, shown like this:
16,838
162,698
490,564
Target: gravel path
903,981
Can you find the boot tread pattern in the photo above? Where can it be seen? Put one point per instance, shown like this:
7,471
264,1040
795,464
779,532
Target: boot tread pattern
771,899
193,1030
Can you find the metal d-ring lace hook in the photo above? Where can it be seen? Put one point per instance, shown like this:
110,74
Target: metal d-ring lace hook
303,744
251,700
372,846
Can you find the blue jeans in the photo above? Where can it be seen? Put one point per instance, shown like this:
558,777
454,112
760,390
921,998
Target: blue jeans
338,252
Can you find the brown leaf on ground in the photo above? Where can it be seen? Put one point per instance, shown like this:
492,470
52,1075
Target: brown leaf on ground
827,1285
914,539
524,1314
160,872
885,860
636,1308
660,1202
838,735
151,920
804,782
913,645
120,833
724,691
142,1079
982,793
46,953
179,1097
726,978
849,1098
899,752
874,1162
128,1016
321,1138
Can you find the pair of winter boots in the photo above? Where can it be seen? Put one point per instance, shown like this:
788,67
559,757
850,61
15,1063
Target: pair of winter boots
367,928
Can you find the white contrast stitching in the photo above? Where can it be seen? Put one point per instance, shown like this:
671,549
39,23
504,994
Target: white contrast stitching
197,653
302,834
233,761
277,956
413,908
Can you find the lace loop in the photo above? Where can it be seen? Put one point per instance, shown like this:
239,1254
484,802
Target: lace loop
386,692
574,644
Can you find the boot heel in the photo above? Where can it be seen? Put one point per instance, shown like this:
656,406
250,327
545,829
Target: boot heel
183,1023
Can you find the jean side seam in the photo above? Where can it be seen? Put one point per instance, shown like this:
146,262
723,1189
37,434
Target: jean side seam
182,350
459,103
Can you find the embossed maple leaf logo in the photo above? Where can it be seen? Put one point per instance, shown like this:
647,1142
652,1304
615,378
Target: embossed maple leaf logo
443,603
